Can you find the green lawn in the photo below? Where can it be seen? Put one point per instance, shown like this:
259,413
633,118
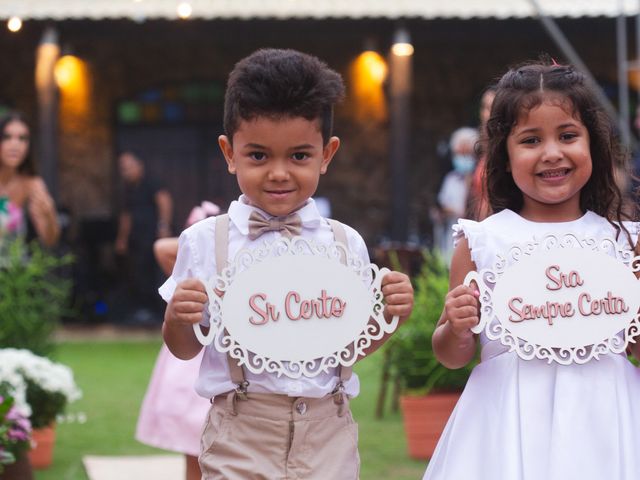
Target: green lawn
114,376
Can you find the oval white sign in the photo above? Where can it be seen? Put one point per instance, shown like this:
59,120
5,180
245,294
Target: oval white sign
296,308
566,297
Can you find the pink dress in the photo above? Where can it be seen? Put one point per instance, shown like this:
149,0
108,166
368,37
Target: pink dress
172,414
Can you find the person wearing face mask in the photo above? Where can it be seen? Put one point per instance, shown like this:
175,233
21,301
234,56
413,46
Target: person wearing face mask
452,197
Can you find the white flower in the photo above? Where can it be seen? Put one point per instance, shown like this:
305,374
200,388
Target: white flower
16,365
17,388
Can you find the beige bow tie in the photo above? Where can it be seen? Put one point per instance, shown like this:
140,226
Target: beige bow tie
289,226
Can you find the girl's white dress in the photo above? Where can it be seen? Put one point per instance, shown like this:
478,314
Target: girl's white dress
530,420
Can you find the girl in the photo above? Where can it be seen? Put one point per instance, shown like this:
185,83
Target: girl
551,156
172,414
23,195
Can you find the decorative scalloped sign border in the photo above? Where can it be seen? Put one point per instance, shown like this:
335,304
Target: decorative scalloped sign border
565,299
296,307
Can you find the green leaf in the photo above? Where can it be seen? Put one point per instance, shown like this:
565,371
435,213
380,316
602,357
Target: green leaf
412,358
33,296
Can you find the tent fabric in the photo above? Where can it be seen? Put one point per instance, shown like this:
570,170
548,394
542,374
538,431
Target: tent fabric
140,10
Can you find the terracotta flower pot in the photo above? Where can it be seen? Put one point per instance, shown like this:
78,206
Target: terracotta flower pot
424,419
41,453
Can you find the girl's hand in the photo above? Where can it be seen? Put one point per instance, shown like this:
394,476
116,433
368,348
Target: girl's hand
187,304
398,295
462,310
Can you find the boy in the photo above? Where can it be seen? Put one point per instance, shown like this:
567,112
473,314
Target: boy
278,117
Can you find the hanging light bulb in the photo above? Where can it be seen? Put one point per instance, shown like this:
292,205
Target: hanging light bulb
184,10
402,43
14,24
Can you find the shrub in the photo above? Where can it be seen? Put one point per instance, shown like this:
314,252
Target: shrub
33,296
412,358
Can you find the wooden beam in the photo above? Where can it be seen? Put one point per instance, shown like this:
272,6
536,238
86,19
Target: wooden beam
401,73
47,54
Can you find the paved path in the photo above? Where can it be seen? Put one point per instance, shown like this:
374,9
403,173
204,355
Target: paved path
156,467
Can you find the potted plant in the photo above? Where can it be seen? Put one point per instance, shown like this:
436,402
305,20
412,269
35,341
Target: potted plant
33,295
43,389
15,439
429,389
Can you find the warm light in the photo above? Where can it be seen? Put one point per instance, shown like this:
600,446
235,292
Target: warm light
72,78
14,24
402,49
374,65
402,44
367,75
67,71
184,10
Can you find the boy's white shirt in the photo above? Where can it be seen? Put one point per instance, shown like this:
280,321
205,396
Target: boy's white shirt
196,259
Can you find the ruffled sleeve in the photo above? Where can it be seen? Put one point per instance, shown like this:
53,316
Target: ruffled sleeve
473,232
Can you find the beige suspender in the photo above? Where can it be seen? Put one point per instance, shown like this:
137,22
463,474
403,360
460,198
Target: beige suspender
222,257
340,235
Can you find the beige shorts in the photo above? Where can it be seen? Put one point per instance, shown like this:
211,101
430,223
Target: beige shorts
276,437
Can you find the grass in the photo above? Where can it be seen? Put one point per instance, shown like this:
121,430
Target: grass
114,375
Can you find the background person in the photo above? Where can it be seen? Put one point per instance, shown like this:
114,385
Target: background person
478,204
452,197
172,414
24,198
146,213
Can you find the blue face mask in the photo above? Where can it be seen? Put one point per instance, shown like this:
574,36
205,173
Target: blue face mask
463,164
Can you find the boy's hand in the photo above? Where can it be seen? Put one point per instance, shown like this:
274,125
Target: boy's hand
398,295
187,304
461,308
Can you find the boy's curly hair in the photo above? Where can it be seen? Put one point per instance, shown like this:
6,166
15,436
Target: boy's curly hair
277,83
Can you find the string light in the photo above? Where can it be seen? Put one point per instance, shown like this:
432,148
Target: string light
184,10
402,44
14,24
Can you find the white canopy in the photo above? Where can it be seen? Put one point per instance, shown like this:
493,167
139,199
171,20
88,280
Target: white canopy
317,9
